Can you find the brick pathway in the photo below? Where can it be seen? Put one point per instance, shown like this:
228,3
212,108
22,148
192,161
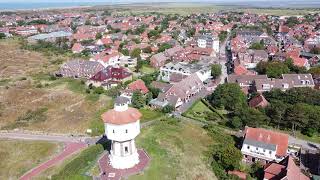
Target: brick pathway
109,173
69,149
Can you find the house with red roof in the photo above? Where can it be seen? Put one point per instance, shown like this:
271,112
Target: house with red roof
285,169
301,62
107,58
264,145
258,102
77,48
104,41
137,85
110,77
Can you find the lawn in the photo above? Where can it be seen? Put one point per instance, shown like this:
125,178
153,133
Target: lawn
18,157
177,151
149,115
199,111
147,69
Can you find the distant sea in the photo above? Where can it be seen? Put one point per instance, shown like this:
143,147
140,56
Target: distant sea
40,5
243,3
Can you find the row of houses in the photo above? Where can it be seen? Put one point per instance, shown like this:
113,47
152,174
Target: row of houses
261,83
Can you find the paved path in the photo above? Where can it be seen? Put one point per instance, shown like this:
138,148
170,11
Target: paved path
70,148
48,137
110,173
304,144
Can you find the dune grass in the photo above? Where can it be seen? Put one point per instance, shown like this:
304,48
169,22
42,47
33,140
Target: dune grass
18,157
176,150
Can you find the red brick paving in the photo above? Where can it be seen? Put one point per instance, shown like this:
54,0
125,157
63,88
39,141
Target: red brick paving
109,173
69,149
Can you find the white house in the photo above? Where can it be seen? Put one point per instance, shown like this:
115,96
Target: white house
264,145
184,70
209,41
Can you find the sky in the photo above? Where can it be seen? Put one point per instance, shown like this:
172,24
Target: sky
130,1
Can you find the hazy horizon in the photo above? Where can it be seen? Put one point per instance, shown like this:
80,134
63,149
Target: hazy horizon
37,4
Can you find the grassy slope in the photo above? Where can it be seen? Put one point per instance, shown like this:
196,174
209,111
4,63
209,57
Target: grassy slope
176,151
18,157
149,115
70,109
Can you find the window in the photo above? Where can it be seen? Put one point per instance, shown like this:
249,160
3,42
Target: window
126,130
270,152
248,147
113,131
257,148
264,150
126,149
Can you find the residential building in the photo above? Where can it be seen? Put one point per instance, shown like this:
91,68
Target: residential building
79,69
50,37
158,60
284,170
180,93
264,145
109,77
209,41
287,81
171,70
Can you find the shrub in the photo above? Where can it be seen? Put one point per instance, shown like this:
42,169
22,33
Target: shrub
309,131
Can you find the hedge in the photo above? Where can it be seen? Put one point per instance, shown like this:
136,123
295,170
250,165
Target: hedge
75,169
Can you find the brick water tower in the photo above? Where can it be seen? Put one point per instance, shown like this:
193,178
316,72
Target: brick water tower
122,126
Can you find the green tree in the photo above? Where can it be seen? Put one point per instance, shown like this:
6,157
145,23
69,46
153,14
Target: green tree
257,46
295,116
2,36
98,36
148,97
276,112
216,70
276,69
135,53
147,50
138,100
125,52
228,95
163,47
153,33
315,50
236,122
228,156
222,36
167,109
155,91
